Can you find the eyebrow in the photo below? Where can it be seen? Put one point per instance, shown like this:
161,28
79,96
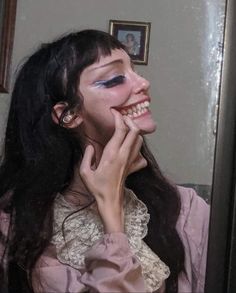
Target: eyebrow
119,61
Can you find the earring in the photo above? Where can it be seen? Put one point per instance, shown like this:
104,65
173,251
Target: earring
67,119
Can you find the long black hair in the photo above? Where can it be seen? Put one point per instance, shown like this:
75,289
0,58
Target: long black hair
39,158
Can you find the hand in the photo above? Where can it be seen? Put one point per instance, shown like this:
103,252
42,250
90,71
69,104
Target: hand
121,156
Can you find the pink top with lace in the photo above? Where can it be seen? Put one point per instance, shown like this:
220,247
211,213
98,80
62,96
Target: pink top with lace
111,263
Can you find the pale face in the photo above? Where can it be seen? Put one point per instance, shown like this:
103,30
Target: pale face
112,83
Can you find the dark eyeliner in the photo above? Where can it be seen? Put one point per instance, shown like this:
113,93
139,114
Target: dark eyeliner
116,80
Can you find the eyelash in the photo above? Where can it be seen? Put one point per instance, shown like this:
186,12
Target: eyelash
117,80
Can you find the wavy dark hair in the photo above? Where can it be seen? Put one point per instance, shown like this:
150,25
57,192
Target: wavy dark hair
39,158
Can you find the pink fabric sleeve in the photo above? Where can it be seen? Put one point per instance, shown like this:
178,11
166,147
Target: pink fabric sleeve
110,267
192,226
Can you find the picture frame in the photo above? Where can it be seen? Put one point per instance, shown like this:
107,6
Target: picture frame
135,36
7,29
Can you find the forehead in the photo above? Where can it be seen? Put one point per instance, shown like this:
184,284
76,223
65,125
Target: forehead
117,56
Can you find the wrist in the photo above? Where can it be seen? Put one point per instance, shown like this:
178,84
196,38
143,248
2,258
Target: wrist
113,219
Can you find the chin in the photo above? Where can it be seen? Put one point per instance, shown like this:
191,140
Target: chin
146,123
148,130
146,126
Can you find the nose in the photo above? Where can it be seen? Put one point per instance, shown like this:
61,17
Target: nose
140,84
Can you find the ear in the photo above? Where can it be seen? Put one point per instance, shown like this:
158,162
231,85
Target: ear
71,119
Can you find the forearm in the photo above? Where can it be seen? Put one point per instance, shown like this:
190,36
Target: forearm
112,214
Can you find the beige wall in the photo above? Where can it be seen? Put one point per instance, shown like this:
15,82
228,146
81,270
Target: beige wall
183,143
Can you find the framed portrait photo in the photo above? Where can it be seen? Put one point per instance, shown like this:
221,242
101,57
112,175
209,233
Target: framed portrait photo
7,28
135,36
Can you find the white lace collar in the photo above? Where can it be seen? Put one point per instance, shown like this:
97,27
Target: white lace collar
82,229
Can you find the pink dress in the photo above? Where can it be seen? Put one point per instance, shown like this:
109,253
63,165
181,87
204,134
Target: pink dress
111,266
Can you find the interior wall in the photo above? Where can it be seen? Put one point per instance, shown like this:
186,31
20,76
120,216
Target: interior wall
182,143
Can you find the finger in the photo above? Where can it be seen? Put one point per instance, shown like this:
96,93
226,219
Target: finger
130,123
132,135
86,164
136,147
120,130
138,164
135,152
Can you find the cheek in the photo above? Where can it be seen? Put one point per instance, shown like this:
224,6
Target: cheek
112,97
98,102
115,97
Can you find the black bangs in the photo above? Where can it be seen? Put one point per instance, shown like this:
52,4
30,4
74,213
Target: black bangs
92,44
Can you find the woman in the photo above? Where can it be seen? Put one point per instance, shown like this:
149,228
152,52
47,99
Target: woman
78,183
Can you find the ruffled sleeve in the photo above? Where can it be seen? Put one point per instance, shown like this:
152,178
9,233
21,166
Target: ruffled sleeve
110,266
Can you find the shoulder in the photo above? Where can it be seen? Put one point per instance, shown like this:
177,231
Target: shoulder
190,199
194,215
192,226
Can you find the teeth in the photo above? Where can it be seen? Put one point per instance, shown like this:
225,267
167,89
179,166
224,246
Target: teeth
136,110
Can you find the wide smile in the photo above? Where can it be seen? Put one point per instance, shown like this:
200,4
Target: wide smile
135,110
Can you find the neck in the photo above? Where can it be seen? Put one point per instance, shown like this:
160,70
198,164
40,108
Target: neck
77,193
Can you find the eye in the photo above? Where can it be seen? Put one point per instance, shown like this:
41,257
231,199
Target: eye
116,80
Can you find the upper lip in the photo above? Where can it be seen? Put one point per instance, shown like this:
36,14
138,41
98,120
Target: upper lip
133,104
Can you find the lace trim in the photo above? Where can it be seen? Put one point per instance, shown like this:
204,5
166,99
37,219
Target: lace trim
82,229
